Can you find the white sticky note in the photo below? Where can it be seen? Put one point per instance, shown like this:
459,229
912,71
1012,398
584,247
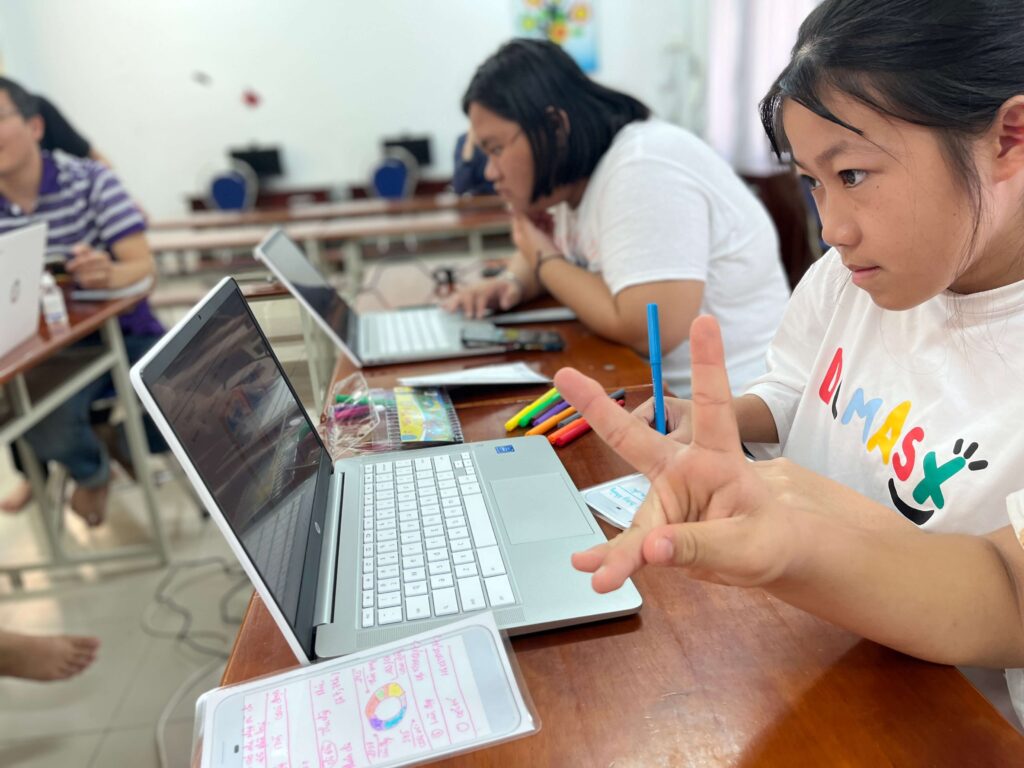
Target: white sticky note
618,500
502,373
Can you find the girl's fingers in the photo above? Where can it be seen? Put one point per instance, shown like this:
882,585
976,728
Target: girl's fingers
635,442
712,417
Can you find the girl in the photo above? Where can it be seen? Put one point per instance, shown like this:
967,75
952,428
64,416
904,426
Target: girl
908,119
642,212
898,364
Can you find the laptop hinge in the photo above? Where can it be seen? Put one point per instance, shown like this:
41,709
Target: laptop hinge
323,610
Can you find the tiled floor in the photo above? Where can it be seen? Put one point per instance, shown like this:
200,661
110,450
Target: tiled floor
109,712
107,716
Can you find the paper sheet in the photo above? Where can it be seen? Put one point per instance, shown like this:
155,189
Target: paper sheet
392,705
502,373
106,294
618,500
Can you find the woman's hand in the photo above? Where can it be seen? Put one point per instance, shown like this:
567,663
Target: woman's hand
677,417
91,268
473,301
708,510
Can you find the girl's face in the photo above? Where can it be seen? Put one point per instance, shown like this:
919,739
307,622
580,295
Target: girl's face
509,156
889,204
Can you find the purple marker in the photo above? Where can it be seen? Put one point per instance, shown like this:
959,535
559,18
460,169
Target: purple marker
549,413
346,412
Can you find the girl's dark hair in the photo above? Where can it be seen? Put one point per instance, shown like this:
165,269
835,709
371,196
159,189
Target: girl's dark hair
944,64
26,104
529,82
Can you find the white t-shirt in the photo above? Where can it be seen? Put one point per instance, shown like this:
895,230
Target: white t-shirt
919,410
661,205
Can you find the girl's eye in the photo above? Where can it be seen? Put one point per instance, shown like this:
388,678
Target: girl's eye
852,178
812,183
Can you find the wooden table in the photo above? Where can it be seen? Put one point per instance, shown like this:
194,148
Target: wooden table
355,228
704,675
613,365
353,232
345,209
85,318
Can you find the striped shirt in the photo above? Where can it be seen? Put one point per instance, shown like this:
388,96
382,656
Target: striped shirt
82,201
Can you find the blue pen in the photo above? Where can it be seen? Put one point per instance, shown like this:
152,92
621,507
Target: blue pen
654,350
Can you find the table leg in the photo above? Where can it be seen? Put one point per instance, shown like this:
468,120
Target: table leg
21,402
353,250
137,448
476,244
317,376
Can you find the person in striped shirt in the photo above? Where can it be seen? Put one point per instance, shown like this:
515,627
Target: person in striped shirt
94,225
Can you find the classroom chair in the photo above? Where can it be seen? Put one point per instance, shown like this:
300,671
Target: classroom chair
395,178
234,189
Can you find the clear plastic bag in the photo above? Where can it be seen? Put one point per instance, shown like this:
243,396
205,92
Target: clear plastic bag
350,417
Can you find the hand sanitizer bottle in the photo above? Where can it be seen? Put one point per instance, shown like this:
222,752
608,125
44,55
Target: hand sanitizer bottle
55,311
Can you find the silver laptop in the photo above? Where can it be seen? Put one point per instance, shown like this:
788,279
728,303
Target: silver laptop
368,338
352,554
21,254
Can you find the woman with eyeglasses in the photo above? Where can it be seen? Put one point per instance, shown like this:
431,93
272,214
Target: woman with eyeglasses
614,209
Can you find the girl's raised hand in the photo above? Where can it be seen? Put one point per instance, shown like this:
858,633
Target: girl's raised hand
708,511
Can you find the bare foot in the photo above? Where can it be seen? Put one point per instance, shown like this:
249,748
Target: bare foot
18,498
90,504
38,657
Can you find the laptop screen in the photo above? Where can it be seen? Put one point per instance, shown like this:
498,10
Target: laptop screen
21,254
223,393
292,265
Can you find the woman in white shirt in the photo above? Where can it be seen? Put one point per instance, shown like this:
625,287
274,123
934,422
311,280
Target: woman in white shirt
614,210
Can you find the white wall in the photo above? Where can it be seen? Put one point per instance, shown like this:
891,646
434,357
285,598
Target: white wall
335,75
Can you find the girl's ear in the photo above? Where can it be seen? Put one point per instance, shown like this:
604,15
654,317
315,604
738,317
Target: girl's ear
1008,131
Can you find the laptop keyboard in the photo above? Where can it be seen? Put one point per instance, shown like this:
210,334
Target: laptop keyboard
408,331
429,548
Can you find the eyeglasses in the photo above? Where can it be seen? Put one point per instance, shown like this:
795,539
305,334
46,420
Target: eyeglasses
495,151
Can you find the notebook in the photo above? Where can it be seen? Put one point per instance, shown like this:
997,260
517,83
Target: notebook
368,549
368,338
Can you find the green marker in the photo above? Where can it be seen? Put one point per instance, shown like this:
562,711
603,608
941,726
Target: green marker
364,400
541,405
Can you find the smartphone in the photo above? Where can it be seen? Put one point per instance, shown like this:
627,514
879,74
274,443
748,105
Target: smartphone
445,695
513,339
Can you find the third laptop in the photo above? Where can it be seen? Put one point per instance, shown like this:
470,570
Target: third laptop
368,338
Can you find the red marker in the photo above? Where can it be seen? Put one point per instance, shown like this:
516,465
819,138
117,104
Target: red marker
569,433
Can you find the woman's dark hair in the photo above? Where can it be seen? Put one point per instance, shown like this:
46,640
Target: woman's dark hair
23,101
529,82
944,64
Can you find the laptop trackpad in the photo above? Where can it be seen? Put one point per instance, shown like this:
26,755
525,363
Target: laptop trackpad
539,508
